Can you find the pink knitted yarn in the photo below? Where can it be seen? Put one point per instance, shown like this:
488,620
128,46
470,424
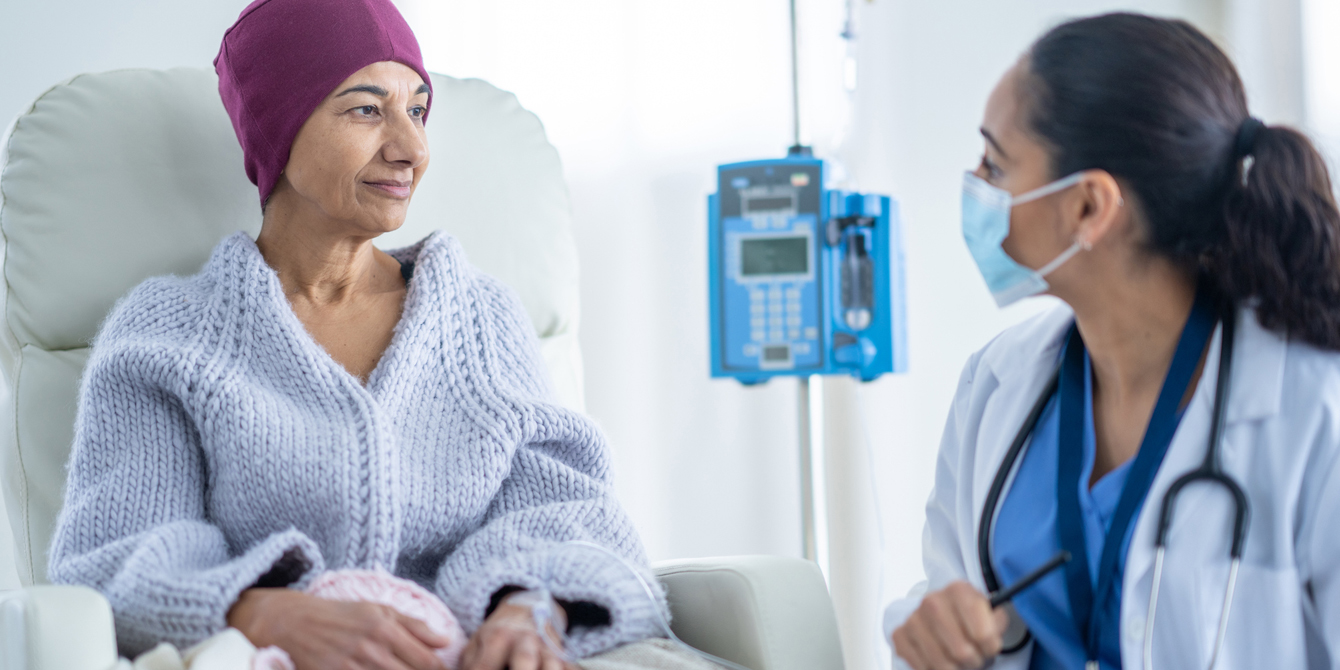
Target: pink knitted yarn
379,586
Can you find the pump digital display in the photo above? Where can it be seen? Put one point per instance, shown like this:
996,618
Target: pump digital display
769,204
775,256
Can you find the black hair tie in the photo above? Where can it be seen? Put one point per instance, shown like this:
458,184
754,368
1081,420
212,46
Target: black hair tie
1246,139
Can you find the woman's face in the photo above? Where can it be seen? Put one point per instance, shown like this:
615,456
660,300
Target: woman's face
359,156
1016,161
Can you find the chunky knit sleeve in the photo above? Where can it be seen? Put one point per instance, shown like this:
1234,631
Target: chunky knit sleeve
134,524
559,490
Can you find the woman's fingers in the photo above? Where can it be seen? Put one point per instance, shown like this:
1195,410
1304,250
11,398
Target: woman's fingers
469,653
525,653
495,648
492,650
552,662
374,656
413,652
421,631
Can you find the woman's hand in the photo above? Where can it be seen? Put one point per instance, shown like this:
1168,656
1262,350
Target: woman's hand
508,639
323,634
953,629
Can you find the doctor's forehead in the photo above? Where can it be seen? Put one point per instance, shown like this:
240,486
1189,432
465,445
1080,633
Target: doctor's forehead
1003,120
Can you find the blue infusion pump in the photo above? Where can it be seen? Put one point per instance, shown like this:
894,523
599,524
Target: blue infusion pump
802,280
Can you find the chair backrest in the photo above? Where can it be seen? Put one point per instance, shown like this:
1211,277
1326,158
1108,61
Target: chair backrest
110,178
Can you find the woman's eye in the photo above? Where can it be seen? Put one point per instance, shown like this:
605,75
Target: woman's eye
417,112
366,110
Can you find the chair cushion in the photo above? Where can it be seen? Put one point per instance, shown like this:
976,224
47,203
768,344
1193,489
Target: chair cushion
762,612
114,177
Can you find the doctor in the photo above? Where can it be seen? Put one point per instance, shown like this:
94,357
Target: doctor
1122,165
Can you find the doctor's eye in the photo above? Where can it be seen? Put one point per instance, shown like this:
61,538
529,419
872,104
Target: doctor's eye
417,112
992,170
366,110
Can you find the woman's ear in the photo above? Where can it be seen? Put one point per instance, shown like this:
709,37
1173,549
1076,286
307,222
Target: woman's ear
1100,209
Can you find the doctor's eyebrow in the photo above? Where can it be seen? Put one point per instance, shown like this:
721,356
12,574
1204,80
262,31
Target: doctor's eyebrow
987,134
379,91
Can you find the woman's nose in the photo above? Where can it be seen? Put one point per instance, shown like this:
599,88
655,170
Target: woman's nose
406,142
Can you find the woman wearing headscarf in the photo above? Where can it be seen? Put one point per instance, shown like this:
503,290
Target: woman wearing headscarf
308,402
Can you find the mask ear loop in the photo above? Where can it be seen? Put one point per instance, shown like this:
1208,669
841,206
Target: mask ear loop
1066,255
1078,246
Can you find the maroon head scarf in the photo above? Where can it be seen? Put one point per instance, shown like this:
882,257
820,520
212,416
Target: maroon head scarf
283,57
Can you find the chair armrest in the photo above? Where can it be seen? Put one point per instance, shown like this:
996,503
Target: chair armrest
56,628
763,612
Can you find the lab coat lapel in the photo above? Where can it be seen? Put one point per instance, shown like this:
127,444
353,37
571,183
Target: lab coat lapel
1255,388
1012,384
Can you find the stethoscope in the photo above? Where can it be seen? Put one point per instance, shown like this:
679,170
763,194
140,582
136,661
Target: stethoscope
1209,471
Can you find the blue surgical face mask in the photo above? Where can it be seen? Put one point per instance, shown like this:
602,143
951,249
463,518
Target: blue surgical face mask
986,224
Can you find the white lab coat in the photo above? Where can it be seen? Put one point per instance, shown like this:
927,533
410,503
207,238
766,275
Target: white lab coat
1281,440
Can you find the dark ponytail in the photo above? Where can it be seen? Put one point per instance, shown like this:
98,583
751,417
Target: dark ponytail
1156,104
1282,239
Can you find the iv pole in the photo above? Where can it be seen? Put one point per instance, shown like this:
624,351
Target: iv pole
810,395
813,493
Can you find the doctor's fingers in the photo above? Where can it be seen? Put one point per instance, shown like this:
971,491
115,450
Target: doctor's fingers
905,647
918,644
962,621
984,625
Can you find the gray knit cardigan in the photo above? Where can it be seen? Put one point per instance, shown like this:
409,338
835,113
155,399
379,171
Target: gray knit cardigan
217,443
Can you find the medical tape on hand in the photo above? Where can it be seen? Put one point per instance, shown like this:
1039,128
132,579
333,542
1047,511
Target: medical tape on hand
541,605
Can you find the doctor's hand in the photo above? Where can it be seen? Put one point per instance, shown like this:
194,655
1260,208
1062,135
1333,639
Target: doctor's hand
323,634
508,640
953,629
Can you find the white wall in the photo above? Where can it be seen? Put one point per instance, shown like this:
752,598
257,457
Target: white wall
643,100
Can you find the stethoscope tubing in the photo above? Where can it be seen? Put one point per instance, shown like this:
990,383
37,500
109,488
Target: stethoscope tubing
1209,472
989,507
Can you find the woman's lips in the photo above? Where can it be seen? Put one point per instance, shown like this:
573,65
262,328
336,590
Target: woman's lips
395,189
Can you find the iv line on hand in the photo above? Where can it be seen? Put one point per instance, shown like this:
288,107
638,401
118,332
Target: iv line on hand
542,611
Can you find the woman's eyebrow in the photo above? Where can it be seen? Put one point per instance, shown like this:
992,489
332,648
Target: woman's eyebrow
423,88
365,88
987,134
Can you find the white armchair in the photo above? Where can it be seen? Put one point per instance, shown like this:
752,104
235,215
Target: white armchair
111,178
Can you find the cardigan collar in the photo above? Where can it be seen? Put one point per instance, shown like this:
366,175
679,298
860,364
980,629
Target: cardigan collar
238,268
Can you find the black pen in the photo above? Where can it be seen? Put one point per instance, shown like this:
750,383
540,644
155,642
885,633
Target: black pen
1004,595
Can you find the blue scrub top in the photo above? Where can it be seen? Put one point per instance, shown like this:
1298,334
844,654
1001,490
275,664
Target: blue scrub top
1026,536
